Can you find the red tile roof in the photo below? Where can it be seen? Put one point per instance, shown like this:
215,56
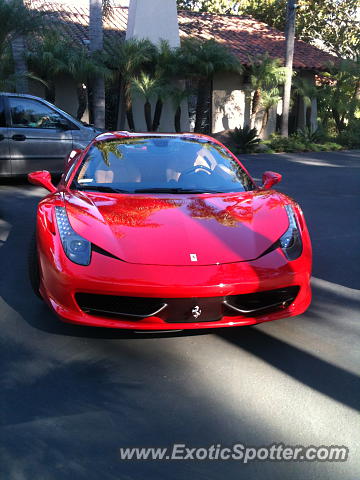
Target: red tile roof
246,36
243,35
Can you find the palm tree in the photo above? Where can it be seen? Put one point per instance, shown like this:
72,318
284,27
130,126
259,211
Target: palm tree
265,74
96,45
83,68
178,95
270,98
20,67
289,58
51,55
47,58
147,87
162,94
201,60
164,70
340,93
167,68
17,21
307,91
128,59
7,76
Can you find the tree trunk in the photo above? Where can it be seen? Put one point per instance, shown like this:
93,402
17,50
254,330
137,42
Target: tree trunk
129,111
308,117
264,122
298,112
178,119
148,117
130,118
121,111
157,114
290,41
82,100
255,107
357,90
200,105
338,120
20,66
96,45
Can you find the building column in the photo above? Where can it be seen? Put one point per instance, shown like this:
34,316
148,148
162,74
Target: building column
156,20
314,114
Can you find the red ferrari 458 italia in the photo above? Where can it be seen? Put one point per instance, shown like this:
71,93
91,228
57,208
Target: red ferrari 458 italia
167,232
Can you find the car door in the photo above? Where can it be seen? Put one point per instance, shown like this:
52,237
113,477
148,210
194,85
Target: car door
39,136
5,164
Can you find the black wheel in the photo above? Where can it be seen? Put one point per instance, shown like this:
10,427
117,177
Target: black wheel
33,267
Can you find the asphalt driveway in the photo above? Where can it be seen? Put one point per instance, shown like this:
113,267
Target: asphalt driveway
70,397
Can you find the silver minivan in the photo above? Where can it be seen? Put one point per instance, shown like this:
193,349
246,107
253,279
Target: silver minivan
36,135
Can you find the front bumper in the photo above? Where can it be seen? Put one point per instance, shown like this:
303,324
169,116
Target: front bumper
63,281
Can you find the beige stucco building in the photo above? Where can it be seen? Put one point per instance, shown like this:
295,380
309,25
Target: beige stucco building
230,94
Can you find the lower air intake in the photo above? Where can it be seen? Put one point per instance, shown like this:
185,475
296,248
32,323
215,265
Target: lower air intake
252,304
119,306
187,310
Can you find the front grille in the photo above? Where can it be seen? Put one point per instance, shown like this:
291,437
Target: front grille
119,306
252,304
187,310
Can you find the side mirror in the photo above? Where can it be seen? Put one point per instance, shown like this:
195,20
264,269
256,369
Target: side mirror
42,178
269,179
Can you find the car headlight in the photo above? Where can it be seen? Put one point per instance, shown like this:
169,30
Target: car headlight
290,242
77,248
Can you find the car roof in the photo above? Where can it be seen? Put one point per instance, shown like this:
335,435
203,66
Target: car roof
124,134
24,95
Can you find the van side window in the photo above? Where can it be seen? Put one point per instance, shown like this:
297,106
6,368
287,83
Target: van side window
28,113
2,113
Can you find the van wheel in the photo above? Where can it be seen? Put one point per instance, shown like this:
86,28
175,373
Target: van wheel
33,267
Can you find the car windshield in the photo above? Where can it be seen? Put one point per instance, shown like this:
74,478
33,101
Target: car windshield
160,165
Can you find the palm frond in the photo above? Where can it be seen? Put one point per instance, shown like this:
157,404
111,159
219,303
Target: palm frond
306,89
205,58
145,85
246,139
266,72
129,58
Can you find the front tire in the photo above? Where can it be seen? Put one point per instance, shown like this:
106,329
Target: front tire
33,267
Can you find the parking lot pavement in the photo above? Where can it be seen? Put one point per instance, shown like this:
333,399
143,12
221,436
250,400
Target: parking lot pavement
70,397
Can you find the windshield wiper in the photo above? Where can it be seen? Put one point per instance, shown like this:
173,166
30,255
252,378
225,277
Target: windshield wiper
100,188
173,190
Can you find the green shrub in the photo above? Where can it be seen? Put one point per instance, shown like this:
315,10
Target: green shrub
246,139
350,137
308,135
332,146
285,144
294,143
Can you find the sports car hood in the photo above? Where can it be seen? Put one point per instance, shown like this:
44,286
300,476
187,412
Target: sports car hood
180,229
